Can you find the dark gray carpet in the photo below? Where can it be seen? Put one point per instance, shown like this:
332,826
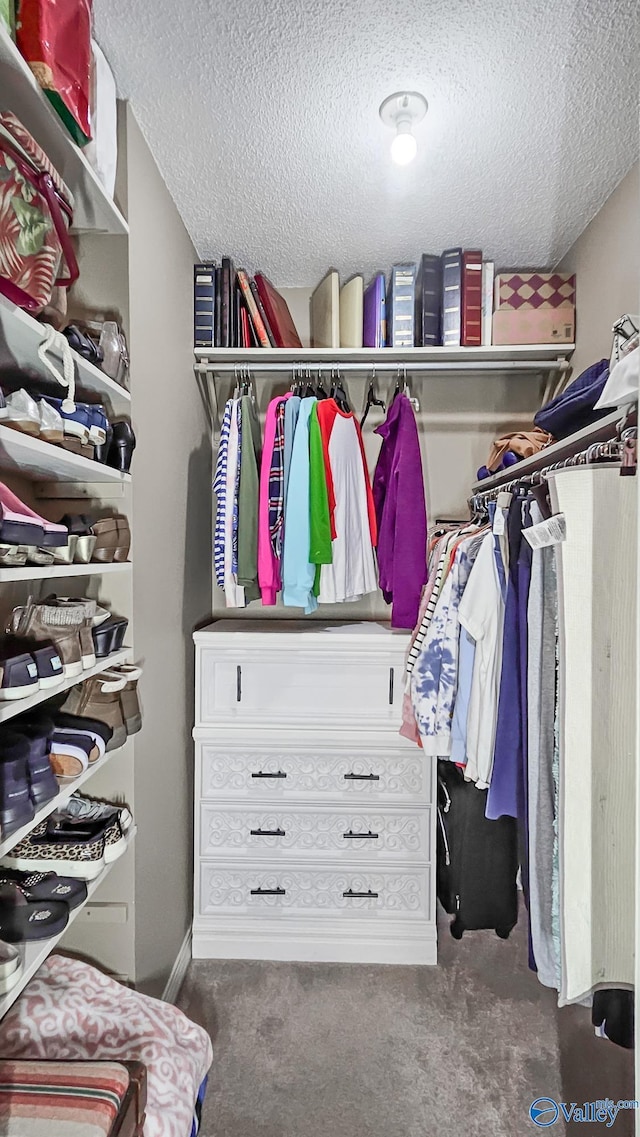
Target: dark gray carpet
346,1050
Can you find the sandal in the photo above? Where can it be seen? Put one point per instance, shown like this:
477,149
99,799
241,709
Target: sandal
46,886
22,920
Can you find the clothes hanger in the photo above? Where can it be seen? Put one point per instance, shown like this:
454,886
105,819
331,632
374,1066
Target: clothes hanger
321,392
372,400
338,393
309,390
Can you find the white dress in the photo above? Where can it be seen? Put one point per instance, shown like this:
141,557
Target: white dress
353,571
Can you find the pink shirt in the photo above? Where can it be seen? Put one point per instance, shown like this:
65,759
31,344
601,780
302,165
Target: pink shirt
268,564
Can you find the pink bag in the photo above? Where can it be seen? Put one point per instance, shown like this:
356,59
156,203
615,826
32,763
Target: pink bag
36,211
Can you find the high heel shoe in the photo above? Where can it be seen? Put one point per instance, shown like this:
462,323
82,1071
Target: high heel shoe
123,444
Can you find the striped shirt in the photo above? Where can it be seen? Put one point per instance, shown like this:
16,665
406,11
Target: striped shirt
219,489
276,484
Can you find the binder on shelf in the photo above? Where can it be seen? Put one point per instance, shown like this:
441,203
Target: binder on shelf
534,307
263,315
256,318
325,312
217,311
374,329
451,297
471,323
226,310
403,305
281,323
488,275
204,291
351,312
428,319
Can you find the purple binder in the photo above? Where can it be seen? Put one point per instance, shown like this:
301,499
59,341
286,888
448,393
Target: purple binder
374,332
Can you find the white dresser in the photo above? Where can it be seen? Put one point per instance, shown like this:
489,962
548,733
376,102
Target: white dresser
314,819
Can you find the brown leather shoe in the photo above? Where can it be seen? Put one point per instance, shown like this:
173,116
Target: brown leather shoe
106,532
99,698
48,622
124,539
129,702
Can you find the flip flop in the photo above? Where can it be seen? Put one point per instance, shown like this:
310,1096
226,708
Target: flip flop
46,886
22,920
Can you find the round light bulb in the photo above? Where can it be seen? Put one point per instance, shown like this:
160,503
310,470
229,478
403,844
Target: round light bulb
404,148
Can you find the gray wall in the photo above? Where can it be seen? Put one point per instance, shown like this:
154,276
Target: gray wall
605,258
171,554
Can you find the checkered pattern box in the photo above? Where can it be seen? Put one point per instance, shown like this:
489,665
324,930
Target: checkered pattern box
534,307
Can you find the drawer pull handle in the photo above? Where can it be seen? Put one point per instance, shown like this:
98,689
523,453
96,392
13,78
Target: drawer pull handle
391,679
362,777
238,684
351,895
266,774
267,833
268,891
369,835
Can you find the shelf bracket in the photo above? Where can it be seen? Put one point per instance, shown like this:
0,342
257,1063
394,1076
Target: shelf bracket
206,380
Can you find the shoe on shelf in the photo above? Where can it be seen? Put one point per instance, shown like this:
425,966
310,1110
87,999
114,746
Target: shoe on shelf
22,920
91,614
129,701
16,805
45,655
48,622
21,525
79,526
47,886
10,967
83,345
41,557
22,413
81,808
71,753
98,732
124,539
123,443
79,853
99,424
102,450
67,555
37,729
109,636
76,419
13,556
51,424
106,533
99,698
18,671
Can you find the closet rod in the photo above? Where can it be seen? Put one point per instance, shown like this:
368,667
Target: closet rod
509,366
608,453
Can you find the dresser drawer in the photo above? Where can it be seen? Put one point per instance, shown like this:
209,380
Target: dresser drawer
397,773
287,833
298,687
345,892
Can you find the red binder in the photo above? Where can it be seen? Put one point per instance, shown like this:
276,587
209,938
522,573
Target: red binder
277,312
471,332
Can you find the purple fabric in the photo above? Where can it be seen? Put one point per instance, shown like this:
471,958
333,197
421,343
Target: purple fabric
401,513
572,409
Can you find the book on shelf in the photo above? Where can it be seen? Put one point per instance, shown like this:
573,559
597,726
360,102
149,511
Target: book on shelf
428,318
374,324
488,274
278,314
204,291
252,307
403,305
325,312
471,319
263,315
217,311
226,302
351,312
451,297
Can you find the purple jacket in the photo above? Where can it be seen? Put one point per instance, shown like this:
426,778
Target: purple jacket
401,512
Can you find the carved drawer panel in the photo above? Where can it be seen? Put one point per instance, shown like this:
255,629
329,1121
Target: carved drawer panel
276,831
394,775
343,892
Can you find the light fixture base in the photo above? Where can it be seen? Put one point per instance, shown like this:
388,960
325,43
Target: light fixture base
403,106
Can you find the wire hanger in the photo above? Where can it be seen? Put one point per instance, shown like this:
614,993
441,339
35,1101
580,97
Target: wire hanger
371,400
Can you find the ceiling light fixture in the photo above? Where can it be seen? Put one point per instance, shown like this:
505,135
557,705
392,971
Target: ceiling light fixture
400,112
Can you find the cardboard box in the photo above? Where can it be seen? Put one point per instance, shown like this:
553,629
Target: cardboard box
534,307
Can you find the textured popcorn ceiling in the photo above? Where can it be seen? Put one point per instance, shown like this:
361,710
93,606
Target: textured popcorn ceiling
263,118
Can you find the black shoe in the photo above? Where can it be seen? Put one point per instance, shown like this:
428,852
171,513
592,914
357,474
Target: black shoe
123,444
18,670
100,453
38,732
49,668
16,806
46,886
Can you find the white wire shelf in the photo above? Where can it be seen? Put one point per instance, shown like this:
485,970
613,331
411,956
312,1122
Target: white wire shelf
94,210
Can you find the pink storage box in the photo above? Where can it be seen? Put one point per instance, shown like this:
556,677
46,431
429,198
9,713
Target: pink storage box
534,307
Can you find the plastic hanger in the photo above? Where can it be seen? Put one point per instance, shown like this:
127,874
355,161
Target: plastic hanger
338,392
371,400
321,392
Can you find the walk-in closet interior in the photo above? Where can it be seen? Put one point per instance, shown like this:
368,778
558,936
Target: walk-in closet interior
319,376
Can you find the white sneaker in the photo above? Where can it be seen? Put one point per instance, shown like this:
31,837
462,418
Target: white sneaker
22,413
51,423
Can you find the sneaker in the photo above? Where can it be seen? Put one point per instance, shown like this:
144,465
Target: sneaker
37,730
51,423
129,695
71,753
80,808
45,655
22,413
16,806
47,848
76,422
99,698
99,732
98,424
47,622
18,672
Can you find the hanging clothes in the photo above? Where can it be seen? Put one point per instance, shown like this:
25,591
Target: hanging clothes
271,501
234,592
401,513
248,499
352,571
298,573
220,490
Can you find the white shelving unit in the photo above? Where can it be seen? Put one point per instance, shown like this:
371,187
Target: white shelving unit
57,572
66,790
35,953
13,707
520,357
23,335
43,462
94,210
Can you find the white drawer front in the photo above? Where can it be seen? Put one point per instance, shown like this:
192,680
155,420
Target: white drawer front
340,892
394,776
298,687
289,833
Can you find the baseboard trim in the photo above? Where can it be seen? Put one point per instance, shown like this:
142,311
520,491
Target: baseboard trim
178,971
269,940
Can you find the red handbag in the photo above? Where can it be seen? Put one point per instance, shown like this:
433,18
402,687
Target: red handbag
36,211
